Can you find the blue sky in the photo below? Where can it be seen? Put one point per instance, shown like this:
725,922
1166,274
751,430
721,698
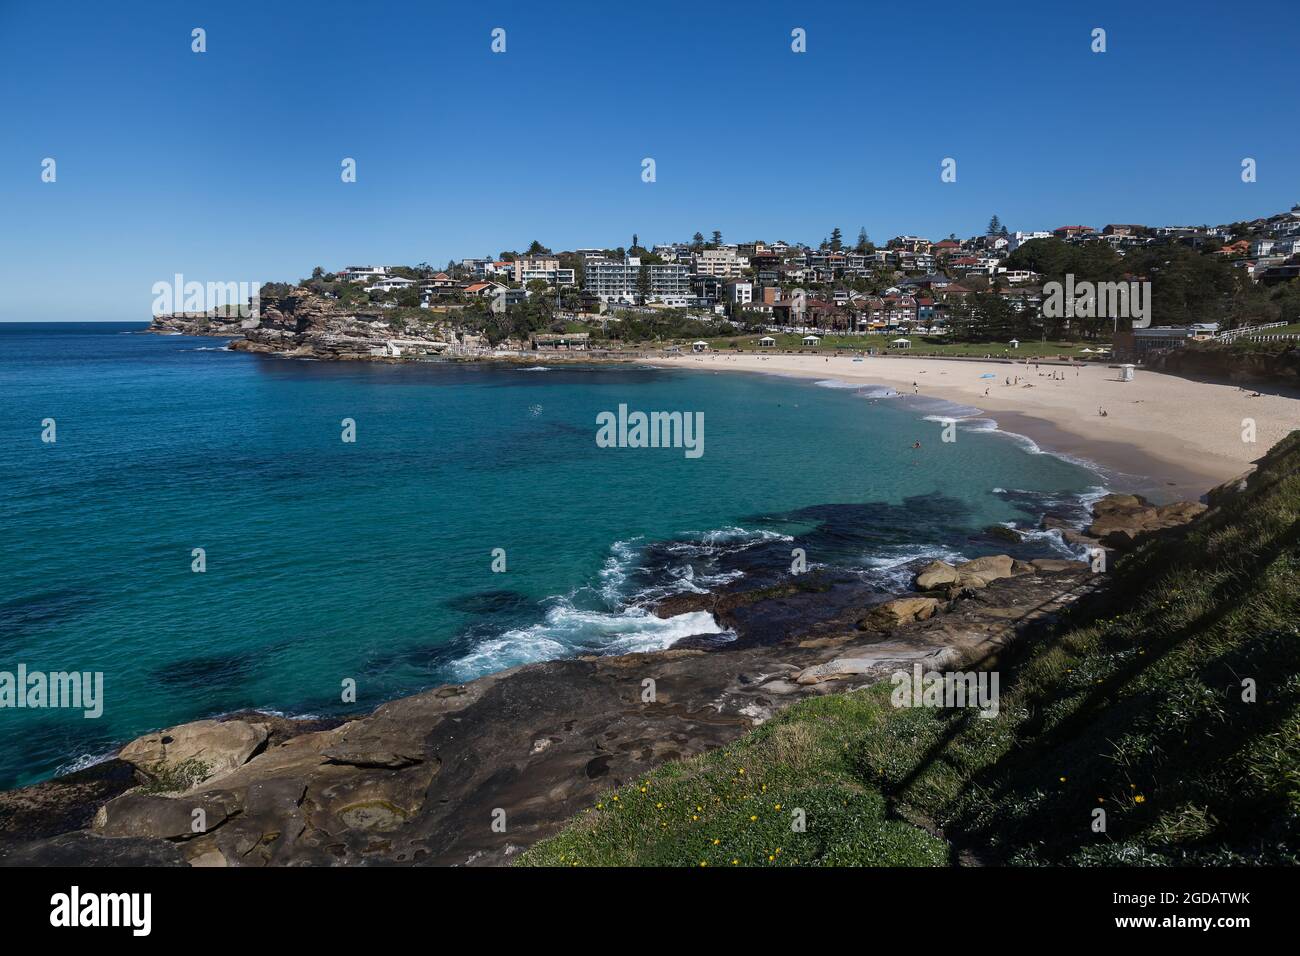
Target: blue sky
224,166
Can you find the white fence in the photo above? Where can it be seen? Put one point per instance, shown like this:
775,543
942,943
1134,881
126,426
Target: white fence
1248,330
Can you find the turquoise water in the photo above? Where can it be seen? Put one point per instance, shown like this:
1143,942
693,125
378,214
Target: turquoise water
372,560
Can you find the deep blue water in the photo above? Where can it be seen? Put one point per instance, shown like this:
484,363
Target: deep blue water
372,560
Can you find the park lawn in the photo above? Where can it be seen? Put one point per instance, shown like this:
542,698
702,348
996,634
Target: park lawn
922,345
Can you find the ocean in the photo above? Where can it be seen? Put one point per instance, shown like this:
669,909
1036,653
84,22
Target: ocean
379,561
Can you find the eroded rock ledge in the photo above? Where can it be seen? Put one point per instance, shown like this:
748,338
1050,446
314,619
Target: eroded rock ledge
419,780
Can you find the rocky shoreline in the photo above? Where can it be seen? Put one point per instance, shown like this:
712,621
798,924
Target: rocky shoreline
472,774
304,325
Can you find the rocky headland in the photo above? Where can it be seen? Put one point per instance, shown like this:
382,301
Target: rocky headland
472,774
302,324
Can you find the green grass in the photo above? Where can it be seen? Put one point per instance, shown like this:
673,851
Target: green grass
740,806
922,345
1132,704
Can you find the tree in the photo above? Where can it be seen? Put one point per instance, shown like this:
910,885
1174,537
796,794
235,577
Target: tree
717,238
837,240
995,226
864,244
636,242
643,284
537,249
697,241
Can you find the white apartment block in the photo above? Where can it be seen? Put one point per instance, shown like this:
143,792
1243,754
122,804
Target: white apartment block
740,293
1020,238
616,280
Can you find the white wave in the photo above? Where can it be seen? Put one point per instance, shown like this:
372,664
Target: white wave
84,761
1053,538
535,368
837,383
568,630
749,537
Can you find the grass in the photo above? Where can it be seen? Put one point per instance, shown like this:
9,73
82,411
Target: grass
786,795
1171,704
922,345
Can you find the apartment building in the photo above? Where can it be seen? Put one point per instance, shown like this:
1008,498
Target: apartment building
546,268
616,280
723,263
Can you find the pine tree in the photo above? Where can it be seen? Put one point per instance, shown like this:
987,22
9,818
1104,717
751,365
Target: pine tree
837,239
995,226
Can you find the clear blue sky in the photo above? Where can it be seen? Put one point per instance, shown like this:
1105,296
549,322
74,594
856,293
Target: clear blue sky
224,166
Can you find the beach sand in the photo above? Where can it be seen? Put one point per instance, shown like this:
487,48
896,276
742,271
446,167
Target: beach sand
1184,436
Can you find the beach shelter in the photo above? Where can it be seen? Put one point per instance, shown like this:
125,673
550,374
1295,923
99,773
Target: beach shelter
700,347
810,340
901,343
766,342
1015,343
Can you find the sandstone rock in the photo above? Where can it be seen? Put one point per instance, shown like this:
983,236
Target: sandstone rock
194,753
1003,532
936,574
837,669
1180,512
981,571
1055,565
1119,520
139,814
899,611
370,758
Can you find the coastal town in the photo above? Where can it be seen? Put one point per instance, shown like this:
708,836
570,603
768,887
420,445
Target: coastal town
981,295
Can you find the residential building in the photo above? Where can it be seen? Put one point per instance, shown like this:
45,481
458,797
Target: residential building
616,280
546,268
722,262
740,293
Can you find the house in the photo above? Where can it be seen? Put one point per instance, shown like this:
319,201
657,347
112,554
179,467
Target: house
390,284
485,290
1018,239
563,341
1239,248
1073,232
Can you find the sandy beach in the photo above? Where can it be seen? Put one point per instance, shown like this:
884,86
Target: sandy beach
1183,435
